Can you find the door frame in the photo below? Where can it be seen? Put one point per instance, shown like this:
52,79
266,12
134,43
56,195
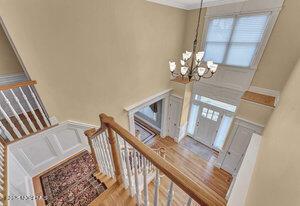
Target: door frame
164,96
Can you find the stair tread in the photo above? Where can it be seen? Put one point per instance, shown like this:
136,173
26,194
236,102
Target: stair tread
115,194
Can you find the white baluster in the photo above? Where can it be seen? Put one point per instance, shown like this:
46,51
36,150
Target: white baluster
146,198
23,110
6,132
15,113
156,191
136,178
105,154
16,131
120,157
31,109
189,202
108,148
104,161
127,161
39,107
170,194
98,158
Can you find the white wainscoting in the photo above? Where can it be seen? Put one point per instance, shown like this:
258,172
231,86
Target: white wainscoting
46,149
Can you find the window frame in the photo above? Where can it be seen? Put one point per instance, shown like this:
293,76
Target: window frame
260,46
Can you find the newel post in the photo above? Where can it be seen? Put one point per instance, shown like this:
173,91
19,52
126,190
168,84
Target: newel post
89,133
112,140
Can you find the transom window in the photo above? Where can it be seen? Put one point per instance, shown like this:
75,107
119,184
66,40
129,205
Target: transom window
235,40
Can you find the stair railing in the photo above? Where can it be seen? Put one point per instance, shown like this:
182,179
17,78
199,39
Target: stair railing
3,174
21,113
124,157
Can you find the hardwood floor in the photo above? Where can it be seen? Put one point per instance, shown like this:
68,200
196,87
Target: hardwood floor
196,168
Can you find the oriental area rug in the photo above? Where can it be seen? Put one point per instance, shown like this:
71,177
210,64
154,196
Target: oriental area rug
72,183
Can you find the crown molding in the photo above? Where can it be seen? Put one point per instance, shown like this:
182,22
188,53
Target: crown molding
190,6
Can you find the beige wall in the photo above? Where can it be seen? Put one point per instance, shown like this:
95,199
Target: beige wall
276,179
96,56
9,63
190,28
282,50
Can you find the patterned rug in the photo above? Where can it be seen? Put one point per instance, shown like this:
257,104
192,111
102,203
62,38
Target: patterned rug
72,183
146,134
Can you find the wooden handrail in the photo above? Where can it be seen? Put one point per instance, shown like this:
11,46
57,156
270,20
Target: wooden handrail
17,85
201,193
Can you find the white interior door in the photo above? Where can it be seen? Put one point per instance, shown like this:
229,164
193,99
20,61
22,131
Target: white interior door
209,119
174,116
237,149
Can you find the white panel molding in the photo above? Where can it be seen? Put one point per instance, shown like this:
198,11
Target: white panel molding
29,151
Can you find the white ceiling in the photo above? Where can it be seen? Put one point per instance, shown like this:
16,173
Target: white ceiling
193,4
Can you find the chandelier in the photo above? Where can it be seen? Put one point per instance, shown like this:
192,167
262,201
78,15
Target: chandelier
192,66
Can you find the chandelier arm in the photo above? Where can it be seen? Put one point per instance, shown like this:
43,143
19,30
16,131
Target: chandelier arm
207,77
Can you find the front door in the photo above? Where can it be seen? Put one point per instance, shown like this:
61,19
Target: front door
208,123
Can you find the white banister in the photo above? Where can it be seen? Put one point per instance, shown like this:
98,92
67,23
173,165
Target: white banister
6,132
39,107
16,131
104,161
189,202
128,168
135,160
146,198
170,194
120,157
156,189
23,111
109,154
105,154
97,154
15,113
31,109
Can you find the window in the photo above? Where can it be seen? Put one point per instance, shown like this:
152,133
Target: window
235,40
210,114
215,103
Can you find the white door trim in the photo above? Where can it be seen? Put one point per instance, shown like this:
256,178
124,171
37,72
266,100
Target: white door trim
131,110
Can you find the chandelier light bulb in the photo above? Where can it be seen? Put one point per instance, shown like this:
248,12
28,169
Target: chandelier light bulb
201,71
183,70
199,56
172,66
182,62
213,68
209,64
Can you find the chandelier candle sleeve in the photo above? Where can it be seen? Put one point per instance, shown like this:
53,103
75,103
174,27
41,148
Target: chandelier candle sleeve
192,66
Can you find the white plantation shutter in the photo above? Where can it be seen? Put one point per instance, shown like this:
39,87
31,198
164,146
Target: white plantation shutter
235,40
